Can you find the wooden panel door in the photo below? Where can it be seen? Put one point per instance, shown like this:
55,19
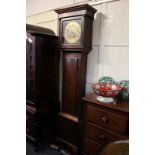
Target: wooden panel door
30,68
71,74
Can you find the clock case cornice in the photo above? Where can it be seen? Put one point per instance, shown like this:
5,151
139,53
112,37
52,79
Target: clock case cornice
85,13
76,10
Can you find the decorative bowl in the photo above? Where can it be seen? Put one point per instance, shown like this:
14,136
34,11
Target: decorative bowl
106,92
125,89
106,79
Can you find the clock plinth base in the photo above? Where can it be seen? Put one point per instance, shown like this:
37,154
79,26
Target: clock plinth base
67,127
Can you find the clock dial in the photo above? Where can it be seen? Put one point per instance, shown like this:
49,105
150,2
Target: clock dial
72,32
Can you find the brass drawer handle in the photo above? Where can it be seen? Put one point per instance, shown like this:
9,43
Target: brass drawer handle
104,119
102,136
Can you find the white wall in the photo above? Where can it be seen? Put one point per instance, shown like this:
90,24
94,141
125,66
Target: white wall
38,6
110,53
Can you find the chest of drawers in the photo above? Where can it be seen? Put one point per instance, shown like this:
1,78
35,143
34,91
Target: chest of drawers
103,123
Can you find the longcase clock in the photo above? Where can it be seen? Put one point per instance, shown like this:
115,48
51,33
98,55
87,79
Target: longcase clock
75,36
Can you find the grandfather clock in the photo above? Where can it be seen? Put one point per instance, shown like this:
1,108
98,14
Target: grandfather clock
75,38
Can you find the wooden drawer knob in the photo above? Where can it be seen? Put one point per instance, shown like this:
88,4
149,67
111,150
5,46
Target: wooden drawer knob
104,119
102,137
27,129
27,117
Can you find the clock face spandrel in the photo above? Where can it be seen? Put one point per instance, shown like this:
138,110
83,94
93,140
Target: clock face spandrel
72,32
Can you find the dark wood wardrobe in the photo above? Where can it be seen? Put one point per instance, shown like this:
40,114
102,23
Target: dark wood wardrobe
42,82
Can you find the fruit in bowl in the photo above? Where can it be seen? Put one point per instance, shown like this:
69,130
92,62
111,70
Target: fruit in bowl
106,91
106,79
125,89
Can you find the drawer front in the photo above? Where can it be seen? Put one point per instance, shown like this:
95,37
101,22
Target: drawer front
101,136
91,148
107,119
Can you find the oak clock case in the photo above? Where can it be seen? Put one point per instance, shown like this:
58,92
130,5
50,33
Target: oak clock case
42,82
75,36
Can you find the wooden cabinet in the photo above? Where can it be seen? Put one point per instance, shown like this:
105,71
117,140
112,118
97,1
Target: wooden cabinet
42,80
102,123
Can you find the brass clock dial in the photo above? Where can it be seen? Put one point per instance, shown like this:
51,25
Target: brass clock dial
72,32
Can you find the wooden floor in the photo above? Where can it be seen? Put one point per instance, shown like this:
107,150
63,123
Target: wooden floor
44,150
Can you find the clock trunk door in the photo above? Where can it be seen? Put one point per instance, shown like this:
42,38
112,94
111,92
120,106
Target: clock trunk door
71,73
